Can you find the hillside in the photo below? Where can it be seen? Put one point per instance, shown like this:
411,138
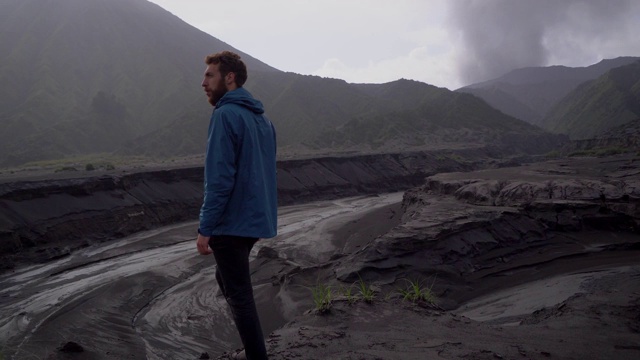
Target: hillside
123,77
300,107
317,116
85,75
529,93
611,100
440,119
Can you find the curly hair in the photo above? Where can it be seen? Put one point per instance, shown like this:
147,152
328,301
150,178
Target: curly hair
229,62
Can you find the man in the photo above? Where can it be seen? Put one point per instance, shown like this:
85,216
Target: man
240,194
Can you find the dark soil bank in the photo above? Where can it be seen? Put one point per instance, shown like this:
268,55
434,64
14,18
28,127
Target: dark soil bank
46,219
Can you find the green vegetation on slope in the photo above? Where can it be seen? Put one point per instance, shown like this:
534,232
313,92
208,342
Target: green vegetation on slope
596,106
530,93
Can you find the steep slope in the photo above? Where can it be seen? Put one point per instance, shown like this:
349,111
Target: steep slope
83,75
529,93
611,100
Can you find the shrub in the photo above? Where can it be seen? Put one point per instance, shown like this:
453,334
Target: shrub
89,167
553,154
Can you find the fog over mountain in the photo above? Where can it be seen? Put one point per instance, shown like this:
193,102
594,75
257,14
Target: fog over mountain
501,35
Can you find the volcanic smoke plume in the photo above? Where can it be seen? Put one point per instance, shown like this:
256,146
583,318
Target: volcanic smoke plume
500,35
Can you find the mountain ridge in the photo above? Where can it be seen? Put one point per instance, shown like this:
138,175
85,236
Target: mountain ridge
533,91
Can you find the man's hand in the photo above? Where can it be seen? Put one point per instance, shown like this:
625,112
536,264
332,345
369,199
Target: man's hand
203,245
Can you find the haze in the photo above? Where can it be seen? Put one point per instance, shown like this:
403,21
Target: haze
444,43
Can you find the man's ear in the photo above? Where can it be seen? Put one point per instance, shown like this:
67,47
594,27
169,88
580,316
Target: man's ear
230,78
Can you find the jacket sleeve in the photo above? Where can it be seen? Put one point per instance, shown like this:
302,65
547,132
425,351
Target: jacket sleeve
219,172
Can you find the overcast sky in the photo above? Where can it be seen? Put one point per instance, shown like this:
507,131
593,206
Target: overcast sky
447,43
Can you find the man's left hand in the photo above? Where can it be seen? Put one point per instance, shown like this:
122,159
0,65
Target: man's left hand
203,245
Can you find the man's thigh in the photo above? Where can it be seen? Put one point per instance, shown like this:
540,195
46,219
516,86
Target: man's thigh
232,259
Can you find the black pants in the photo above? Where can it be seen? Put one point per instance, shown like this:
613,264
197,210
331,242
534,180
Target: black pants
234,279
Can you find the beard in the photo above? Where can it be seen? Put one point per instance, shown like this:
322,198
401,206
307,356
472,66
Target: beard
217,93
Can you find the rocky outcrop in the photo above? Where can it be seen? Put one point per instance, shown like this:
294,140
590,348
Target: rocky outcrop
484,224
560,203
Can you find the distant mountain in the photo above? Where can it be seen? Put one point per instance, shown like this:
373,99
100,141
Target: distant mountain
529,93
123,76
611,100
438,118
326,116
300,106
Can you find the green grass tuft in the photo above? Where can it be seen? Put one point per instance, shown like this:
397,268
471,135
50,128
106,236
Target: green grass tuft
322,297
366,292
347,292
416,292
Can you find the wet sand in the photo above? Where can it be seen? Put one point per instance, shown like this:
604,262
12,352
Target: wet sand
152,296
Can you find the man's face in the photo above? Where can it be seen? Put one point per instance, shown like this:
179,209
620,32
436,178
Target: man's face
214,84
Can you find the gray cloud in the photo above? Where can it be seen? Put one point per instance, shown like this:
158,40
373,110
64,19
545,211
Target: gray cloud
497,36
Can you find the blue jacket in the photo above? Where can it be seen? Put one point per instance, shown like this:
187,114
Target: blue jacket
240,192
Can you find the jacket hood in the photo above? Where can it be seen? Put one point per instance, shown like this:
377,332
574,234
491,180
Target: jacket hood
241,97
